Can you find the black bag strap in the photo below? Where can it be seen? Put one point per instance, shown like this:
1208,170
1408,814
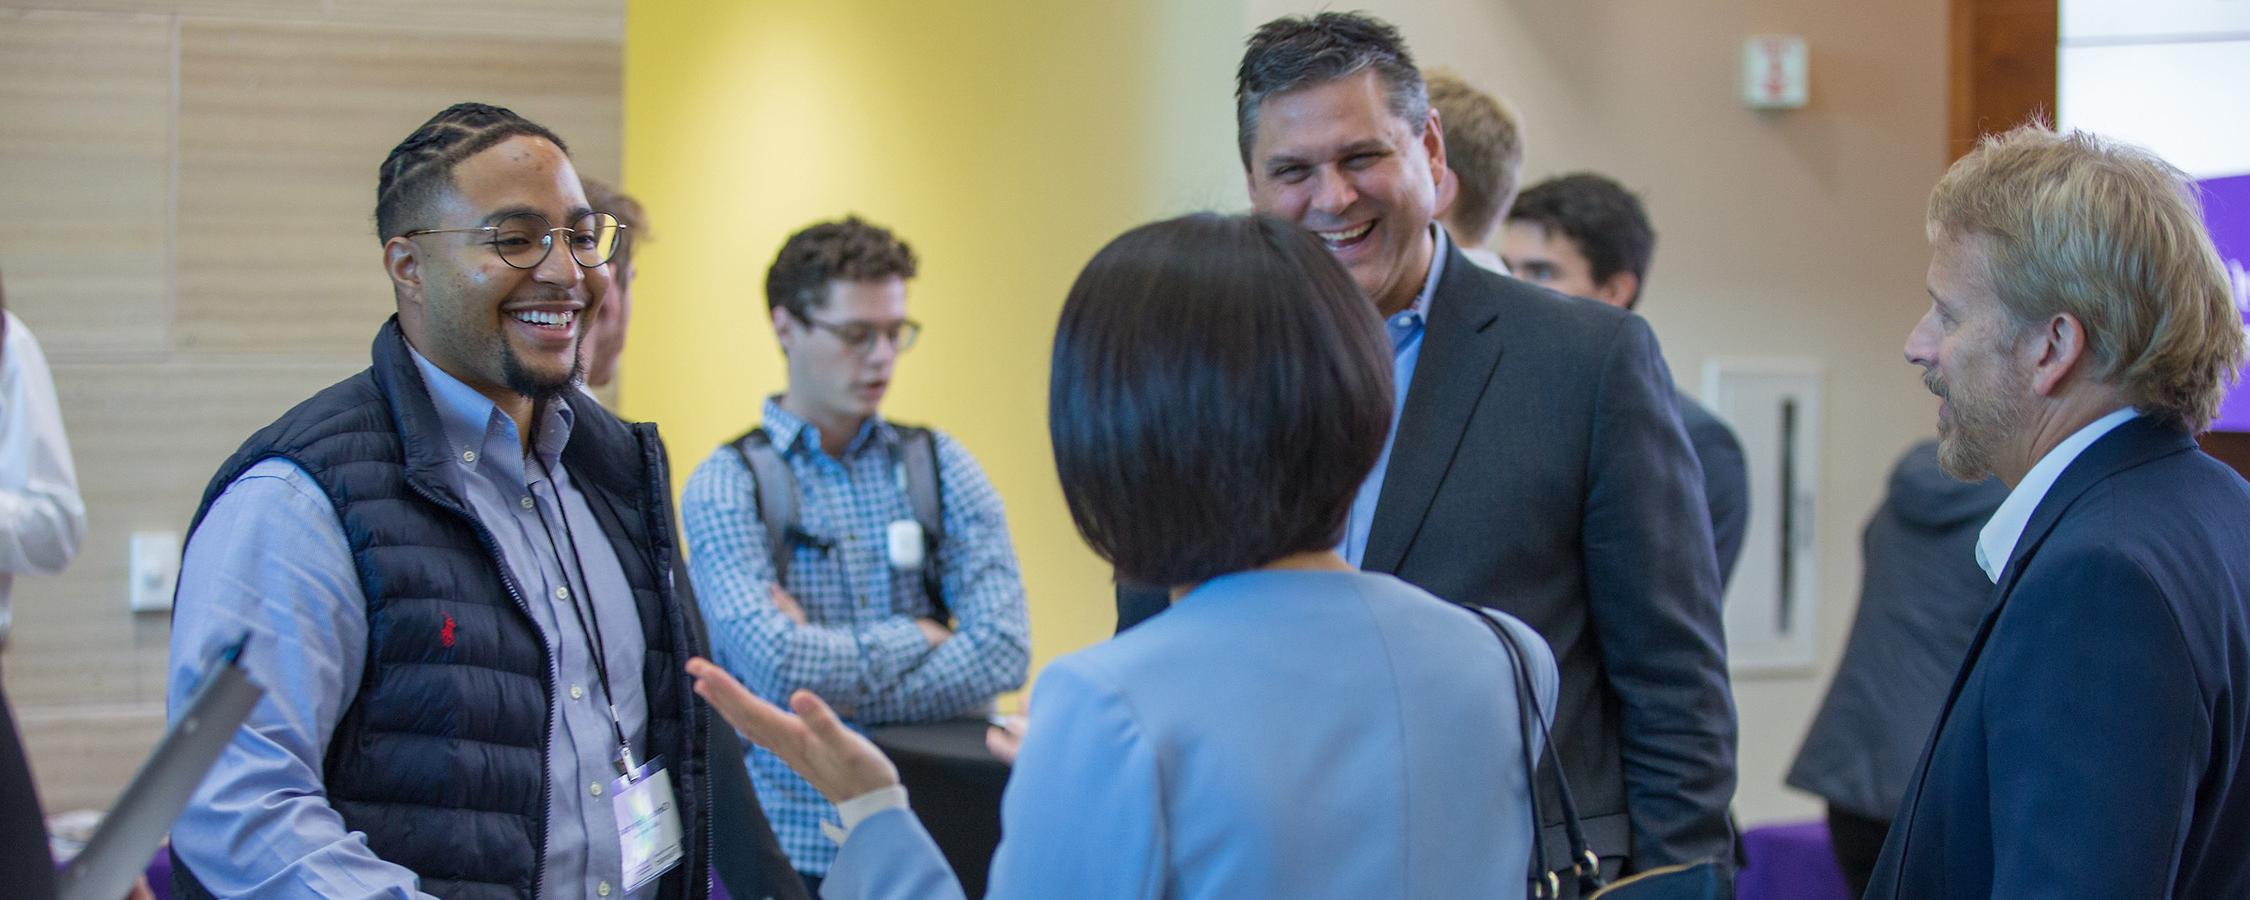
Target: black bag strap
917,448
775,494
914,459
1545,882
918,464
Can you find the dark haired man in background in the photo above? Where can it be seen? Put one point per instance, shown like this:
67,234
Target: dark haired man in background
889,585
1537,465
456,578
1587,236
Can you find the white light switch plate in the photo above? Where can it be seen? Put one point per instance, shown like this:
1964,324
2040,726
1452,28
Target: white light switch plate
153,572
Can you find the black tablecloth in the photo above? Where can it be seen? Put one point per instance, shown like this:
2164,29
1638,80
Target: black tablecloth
954,785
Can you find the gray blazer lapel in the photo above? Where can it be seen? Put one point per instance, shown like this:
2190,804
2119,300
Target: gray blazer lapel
1460,347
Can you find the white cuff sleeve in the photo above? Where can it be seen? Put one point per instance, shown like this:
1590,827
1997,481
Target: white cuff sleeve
857,809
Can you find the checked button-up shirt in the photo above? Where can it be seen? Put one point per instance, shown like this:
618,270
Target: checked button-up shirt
859,649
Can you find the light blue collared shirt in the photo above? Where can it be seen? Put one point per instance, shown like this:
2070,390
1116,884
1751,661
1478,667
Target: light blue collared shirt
1405,328
271,559
1998,540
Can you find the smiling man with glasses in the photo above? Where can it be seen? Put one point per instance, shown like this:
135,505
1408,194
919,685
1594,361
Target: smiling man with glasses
455,577
836,551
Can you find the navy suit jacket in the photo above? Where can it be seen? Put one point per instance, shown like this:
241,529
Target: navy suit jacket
1726,481
2093,744
1540,469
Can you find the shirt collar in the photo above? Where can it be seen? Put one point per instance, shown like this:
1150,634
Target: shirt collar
786,429
1997,542
473,423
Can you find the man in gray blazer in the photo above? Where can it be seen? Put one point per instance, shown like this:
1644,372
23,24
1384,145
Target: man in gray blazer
1537,465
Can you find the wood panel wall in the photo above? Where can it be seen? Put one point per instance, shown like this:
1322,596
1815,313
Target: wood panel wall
186,222
2002,67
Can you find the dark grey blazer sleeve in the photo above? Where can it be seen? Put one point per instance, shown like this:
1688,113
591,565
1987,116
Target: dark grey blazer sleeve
1653,596
1726,482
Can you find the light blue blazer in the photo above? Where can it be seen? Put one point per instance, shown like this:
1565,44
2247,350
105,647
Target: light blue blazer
1276,734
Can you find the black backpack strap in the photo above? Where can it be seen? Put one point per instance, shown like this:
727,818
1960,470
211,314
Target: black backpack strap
917,461
776,494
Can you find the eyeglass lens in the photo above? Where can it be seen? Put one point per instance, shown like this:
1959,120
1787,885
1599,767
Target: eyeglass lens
525,239
860,336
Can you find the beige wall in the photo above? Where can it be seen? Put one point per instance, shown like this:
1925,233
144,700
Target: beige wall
186,192
1779,234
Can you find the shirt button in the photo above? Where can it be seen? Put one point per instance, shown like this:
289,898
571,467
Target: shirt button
595,788
526,502
562,593
468,456
863,601
577,692
602,888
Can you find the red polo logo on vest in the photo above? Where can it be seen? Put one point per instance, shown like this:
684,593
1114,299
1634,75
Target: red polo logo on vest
445,634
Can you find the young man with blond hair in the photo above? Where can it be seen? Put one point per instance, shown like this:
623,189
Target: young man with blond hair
1483,165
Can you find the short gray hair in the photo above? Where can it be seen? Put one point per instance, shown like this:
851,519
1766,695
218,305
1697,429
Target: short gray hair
1297,52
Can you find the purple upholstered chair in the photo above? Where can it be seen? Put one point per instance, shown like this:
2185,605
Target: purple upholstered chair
1789,861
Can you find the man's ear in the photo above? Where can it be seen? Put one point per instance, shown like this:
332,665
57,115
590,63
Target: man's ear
2057,347
1620,289
785,328
1433,142
1448,190
403,263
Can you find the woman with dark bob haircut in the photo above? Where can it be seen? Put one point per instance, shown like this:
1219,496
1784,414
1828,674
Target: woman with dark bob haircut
1293,727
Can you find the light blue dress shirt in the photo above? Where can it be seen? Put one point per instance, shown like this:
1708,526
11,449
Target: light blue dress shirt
1299,734
859,648
270,559
1405,328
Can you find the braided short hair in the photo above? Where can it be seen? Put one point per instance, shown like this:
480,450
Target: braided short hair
421,164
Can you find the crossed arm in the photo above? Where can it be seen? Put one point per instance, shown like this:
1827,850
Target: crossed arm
887,670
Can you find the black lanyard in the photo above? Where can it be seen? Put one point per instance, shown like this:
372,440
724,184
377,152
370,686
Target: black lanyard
589,618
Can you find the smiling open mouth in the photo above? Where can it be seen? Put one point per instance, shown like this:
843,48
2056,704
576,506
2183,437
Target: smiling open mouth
561,318
1338,240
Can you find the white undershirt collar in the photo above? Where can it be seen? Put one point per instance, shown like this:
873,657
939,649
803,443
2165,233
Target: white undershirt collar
1997,542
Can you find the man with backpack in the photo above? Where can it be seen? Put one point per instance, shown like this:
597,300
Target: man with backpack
836,551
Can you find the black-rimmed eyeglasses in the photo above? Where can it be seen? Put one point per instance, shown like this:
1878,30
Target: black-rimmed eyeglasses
523,240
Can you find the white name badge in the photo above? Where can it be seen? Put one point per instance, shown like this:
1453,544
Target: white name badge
648,823
906,544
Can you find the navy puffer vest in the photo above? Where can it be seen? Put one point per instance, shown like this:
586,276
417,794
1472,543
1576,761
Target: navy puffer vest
441,756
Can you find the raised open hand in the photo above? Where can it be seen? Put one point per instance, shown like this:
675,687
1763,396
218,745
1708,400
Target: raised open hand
837,761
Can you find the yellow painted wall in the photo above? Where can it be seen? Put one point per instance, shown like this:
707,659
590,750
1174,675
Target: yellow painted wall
1007,141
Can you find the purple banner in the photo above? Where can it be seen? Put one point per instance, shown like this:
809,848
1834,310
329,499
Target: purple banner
2226,208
